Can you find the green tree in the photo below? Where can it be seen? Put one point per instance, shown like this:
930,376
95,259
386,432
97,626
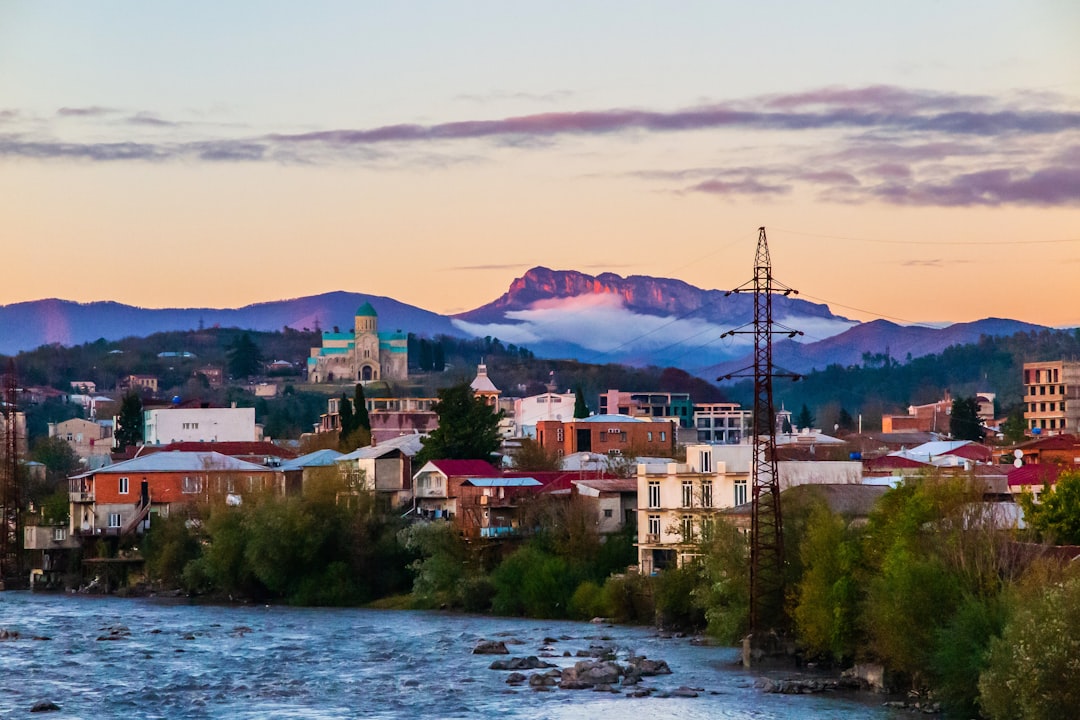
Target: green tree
468,428
804,419
531,455
845,421
425,360
57,456
1015,427
345,419
964,423
1056,518
1032,669
129,423
438,357
361,420
581,408
245,358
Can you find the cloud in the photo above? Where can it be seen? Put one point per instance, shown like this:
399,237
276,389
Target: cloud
92,111
507,266
748,186
1006,186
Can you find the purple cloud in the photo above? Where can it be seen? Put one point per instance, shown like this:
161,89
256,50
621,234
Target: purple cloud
748,186
92,111
1007,186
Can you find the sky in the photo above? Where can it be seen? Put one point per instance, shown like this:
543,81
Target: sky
916,161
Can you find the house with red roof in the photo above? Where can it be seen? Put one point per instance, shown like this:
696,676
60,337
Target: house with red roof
437,485
1033,479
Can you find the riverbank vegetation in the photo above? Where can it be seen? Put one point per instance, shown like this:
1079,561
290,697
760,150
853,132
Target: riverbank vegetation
926,586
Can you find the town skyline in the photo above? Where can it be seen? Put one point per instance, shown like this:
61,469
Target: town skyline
919,164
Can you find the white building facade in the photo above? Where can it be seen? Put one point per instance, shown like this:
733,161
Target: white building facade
162,426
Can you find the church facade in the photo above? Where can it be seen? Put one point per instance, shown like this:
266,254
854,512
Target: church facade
364,355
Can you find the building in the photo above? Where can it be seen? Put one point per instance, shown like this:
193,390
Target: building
607,434
384,468
437,485
87,438
122,498
162,426
677,504
364,355
142,383
488,507
722,423
547,406
613,500
302,472
657,405
1063,450
389,417
1052,397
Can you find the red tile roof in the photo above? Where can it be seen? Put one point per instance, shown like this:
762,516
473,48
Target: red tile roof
1033,474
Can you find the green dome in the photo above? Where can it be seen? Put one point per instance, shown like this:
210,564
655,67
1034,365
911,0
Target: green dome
366,310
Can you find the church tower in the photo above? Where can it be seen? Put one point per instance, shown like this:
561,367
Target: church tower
366,344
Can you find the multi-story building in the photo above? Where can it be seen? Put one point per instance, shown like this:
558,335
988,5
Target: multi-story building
87,438
364,355
121,498
162,426
1052,397
609,435
547,406
722,423
656,405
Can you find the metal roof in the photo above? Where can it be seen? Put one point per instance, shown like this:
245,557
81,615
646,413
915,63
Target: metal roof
319,458
179,461
503,482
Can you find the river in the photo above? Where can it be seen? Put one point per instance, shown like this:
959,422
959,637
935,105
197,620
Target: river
177,660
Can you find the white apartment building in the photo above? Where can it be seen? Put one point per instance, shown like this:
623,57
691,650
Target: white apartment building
162,426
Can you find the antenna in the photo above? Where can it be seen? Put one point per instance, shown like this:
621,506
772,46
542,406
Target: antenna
767,527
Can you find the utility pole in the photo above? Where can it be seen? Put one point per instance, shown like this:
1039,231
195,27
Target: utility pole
767,527
9,486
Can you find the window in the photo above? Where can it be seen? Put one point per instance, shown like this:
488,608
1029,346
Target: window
607,512
706,494
649,435
688,493
622,437
59,534
123,486
114,520
654,525
706,461
740,492
663,436
191,485
687,528
654,493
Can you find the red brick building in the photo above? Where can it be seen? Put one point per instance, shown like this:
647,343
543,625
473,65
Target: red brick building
608,435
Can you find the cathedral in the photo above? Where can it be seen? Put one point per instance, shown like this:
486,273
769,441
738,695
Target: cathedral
363,356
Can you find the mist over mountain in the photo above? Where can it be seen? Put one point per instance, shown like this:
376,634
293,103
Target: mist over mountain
637,320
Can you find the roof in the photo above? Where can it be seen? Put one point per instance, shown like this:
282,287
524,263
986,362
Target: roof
319,458
1034,474
1064,441
893,462
482,383
232,447
615,485
849,499
460,468
178,461
366,310
611,419
405,444
503,482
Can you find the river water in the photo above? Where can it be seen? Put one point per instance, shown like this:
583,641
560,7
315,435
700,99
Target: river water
176,660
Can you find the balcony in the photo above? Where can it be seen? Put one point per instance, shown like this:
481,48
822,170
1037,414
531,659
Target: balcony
82,497
652,539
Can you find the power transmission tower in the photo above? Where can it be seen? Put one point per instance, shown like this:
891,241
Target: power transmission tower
9,485
767,527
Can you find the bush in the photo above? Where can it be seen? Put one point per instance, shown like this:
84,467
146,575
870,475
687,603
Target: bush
629,599
674,591
587,601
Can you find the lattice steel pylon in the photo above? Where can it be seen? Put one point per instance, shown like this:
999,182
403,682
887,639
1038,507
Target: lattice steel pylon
9,484
767,526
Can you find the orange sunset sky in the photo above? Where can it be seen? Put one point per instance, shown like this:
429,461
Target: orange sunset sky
918,161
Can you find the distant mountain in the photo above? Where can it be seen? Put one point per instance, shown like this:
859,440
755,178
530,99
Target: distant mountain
877,337
639,320
636,320
27,325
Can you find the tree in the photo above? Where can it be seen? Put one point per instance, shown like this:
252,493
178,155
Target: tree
804,419
468,428
129,423
426,358
438,357
532,456
964,423
1057,517
581,408
345,418
245,358
1014,428
845,421
360,413
57,456
1032,670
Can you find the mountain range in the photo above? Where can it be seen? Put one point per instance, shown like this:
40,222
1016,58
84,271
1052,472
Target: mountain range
637,320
